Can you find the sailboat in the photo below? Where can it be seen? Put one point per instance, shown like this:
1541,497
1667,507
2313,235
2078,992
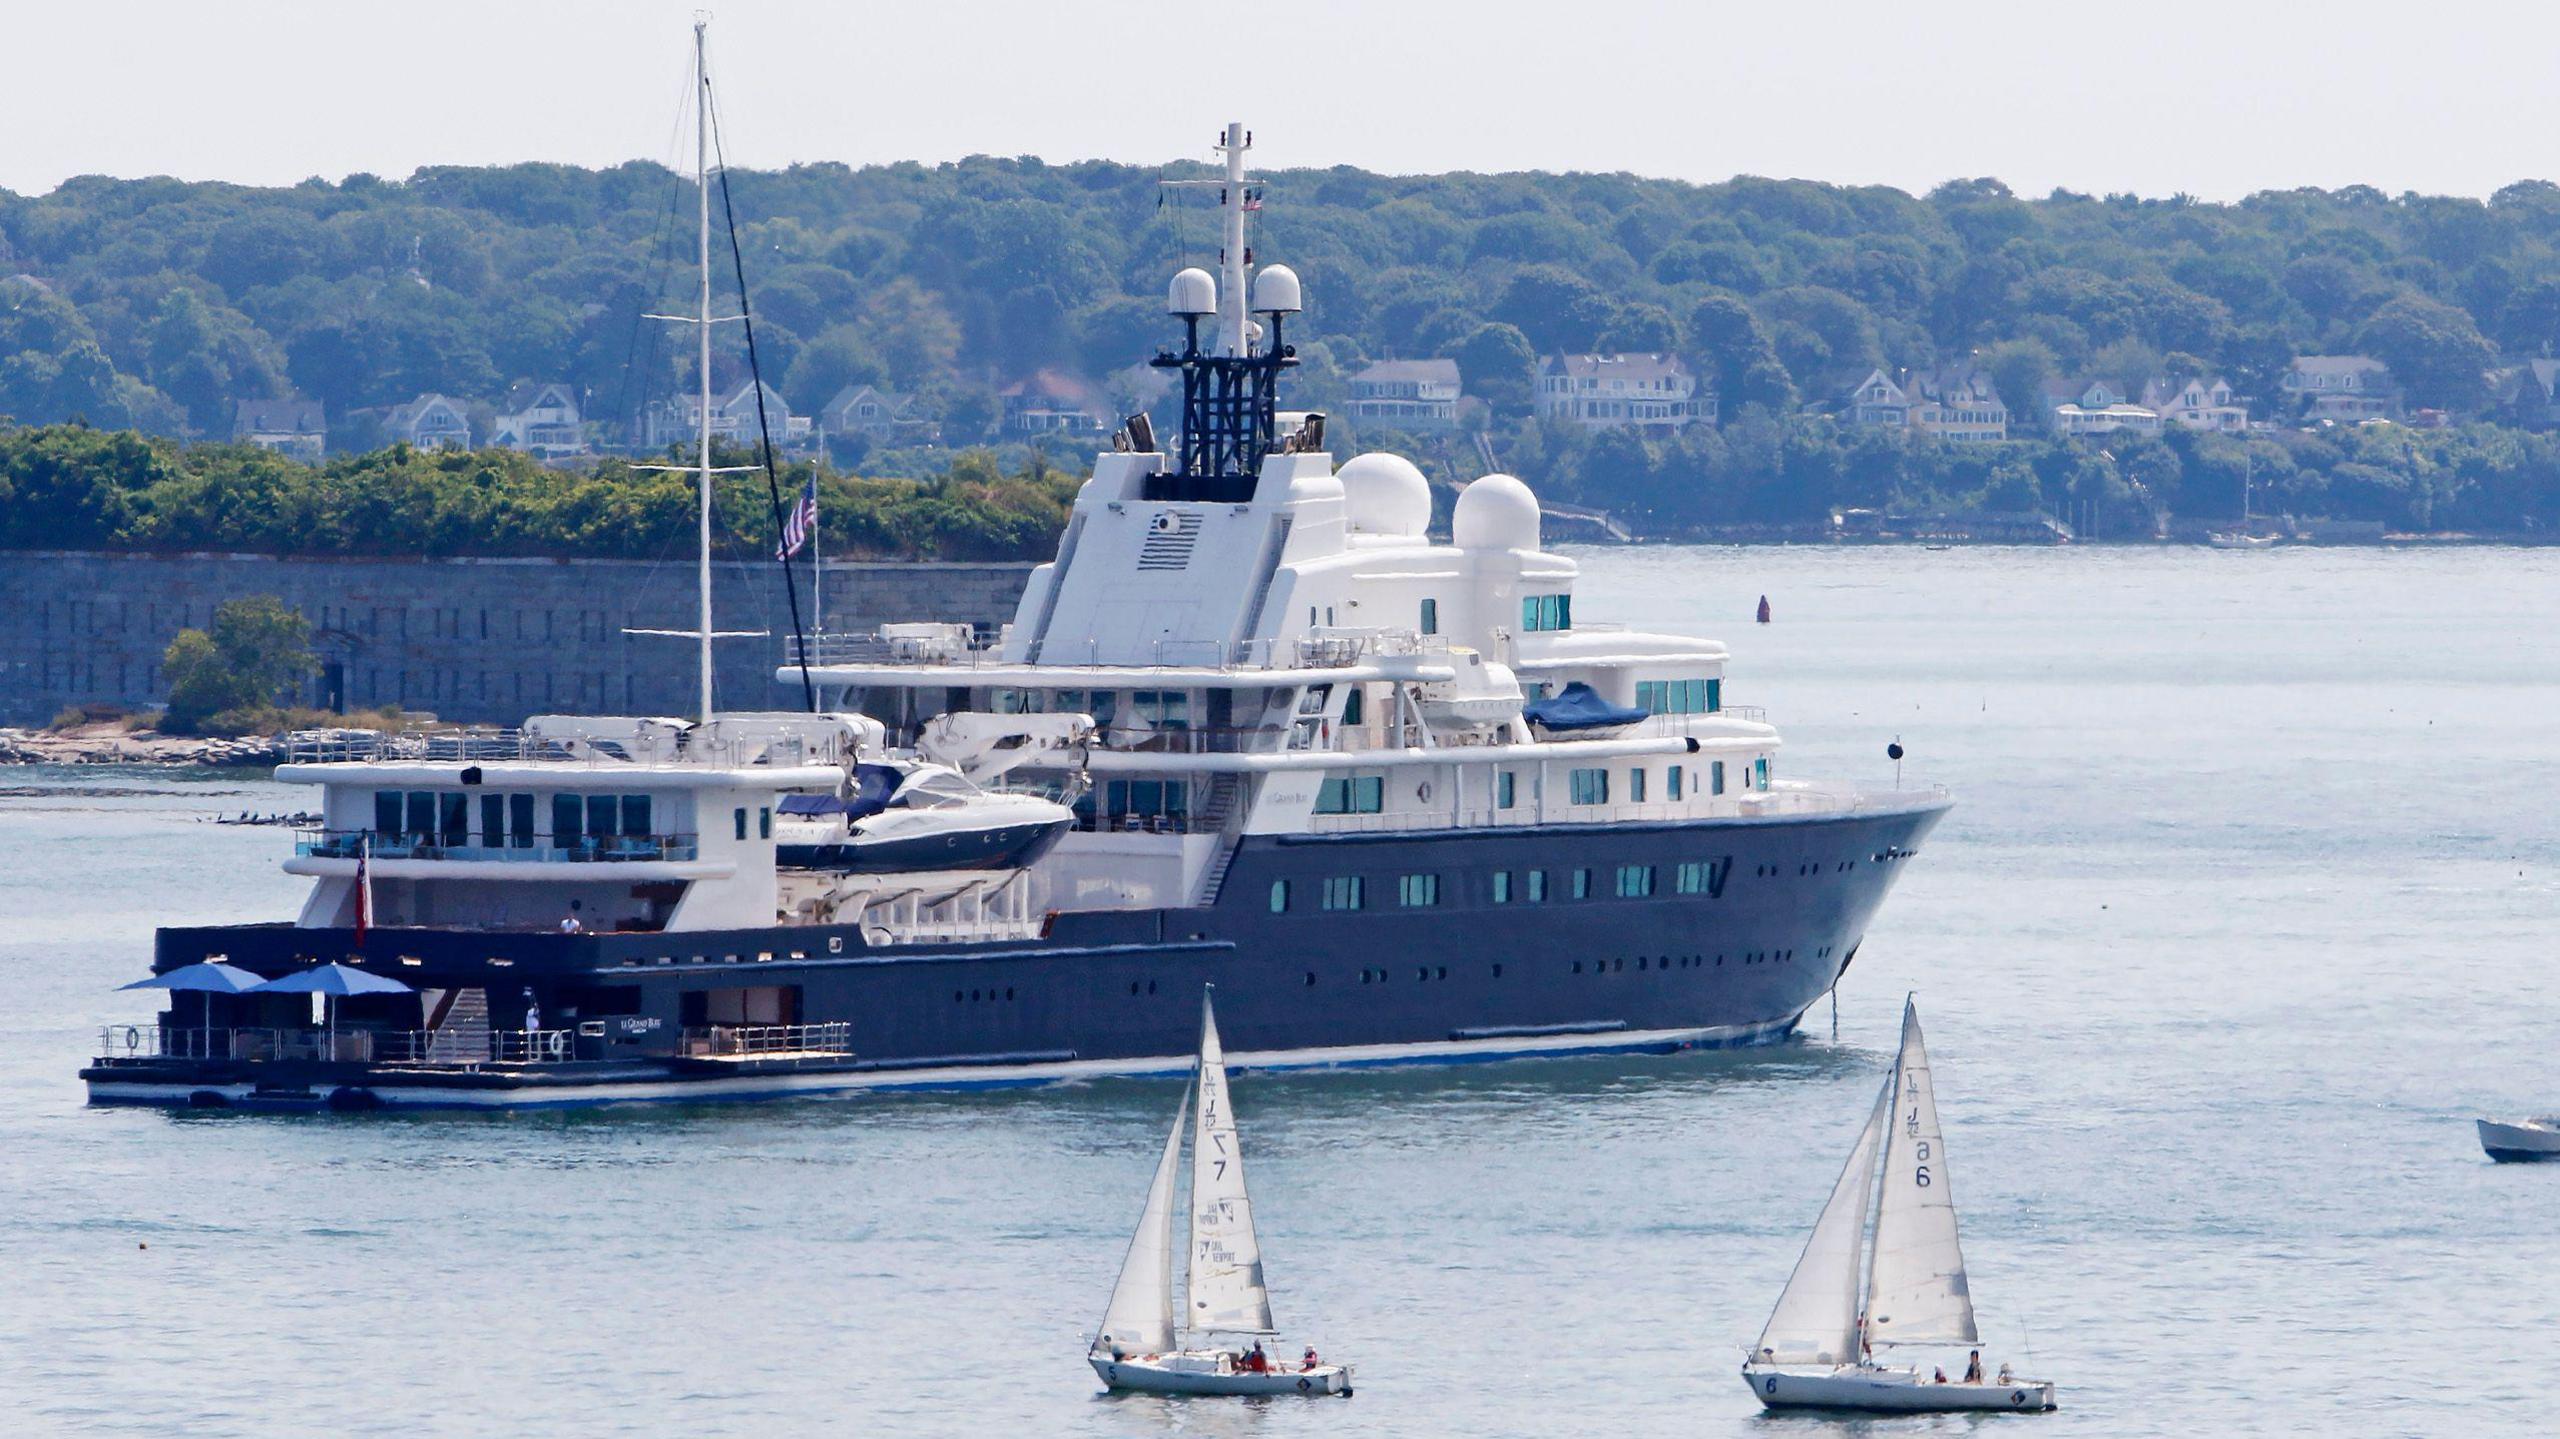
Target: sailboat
1146,1341
1816,1352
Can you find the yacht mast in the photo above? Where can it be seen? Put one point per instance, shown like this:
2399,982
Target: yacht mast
1231,256
702,334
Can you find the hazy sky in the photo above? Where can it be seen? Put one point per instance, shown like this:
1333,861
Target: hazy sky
2213,99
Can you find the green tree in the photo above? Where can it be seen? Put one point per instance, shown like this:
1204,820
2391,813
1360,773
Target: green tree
2432,348
1497,365
230,680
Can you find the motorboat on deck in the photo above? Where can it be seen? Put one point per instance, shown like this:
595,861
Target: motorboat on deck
892,818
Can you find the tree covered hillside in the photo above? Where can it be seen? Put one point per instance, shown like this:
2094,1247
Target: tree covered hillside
157,303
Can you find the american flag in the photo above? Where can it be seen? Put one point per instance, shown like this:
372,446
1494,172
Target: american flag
796,525
364,888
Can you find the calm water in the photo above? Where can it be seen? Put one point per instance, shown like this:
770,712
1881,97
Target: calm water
2251,903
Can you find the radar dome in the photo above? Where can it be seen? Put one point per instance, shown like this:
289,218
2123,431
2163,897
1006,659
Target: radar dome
1191,293
1276,288
1497,512
1385,495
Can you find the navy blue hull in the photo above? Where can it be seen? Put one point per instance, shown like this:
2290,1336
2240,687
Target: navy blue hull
1776,910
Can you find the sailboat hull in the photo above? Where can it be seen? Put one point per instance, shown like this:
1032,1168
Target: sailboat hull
1212,1372
1898,1391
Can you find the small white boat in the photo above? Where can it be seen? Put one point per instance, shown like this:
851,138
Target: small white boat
1817,1351
2238,540
1141,1345
2521,1142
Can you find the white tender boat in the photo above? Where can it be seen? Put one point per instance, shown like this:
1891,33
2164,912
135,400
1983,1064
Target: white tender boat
2523,1141
1141,1345
1816,1351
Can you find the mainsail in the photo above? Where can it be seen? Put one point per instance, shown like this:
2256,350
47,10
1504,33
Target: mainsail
1916,1291
1140,1319
1816,1321
1226,1259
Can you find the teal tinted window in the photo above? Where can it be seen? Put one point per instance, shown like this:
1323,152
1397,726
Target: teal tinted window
1715,777
1344,892
1715,696
1431,617
1502,789
1537,886
1635,786
1582,884
1352,708
1671,779
1590,786
1502,886
386,812
568,818
1279,896
1416,891
1635,881
520,820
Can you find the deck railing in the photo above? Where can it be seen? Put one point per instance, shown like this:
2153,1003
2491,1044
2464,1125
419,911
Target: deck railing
742,1041
610,849
348,1044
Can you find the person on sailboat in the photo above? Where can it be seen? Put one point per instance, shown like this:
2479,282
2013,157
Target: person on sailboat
1973,1368
1942,1375
1257,1361
1310,1361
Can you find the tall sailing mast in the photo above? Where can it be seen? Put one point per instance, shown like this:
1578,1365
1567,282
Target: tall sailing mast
702,319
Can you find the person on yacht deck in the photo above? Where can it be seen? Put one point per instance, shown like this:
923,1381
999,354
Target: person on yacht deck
1973,1368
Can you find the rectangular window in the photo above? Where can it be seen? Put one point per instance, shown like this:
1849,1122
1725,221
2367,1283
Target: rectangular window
422,817
520,820
493,821
1344,892
1582,884
1671,781
1590,786
635,815
1279,896
1703,877
386,812
1530,614
1715,696
1502,886
1431,617
1418,891
1537,886
568,819
1354,711
1760,772
764,823
1715,777
740,818
1502,789
604,816
1635,786
1635,881
1352,794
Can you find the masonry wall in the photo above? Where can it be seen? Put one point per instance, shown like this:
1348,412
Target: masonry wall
466,639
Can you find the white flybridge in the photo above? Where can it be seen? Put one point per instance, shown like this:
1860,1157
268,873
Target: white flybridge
1146,1341
1816,1351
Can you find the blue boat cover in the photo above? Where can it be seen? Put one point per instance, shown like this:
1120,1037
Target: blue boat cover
810,804
1578,708
872,786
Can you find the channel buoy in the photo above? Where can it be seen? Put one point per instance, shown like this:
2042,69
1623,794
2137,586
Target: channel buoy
1764,609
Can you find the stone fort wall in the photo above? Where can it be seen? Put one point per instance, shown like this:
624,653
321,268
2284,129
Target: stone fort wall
475,640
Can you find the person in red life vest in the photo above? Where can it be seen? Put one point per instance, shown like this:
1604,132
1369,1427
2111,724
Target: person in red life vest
1309,1362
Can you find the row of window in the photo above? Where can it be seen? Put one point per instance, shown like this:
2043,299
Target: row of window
1367,794
1546,612
1680,697
443,817
1422,891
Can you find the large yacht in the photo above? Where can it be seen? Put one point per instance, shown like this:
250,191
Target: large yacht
1253,726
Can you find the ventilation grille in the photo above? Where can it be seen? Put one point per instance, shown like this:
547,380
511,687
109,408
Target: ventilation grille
1170,536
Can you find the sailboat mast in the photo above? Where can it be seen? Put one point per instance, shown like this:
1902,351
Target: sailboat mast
702,429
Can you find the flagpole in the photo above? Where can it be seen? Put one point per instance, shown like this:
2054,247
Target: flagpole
817,563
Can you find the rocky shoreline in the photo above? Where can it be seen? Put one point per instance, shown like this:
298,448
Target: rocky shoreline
101,746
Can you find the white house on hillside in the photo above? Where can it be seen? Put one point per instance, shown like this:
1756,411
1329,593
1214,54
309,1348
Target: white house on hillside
2197,403
1953,402
678,420
2096,407
1417,395
540,419
2348,389
1600,392
880,416
430,422
1052,402
289,427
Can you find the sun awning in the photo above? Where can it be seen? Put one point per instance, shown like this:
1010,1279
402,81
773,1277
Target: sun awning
210,976
335,980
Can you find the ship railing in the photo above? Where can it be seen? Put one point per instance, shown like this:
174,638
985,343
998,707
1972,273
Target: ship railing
603,849
118,1043
1785,799
1323,649
1173,739
462,744
1136,824
738,1041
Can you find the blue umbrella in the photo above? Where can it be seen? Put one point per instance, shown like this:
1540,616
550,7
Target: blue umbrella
336,981
205,977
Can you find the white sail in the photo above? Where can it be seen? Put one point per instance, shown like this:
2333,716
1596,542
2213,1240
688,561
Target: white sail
1916,1290
1816,1321
1226,1259
1140,1318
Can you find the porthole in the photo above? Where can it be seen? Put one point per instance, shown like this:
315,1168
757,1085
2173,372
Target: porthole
1444,971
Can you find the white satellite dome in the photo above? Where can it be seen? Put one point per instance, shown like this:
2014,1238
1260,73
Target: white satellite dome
1497,512
1276,288
1192,292
1385,495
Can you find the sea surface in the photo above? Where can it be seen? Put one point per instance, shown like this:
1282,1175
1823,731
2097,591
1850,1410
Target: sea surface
2250,904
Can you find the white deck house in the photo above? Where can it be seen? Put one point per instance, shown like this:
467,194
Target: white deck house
1420,396
1600,392
430,422
540,419
288,427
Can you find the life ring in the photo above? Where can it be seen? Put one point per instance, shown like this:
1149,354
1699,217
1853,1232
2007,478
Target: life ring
132,1038
1422,791
1306,1385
